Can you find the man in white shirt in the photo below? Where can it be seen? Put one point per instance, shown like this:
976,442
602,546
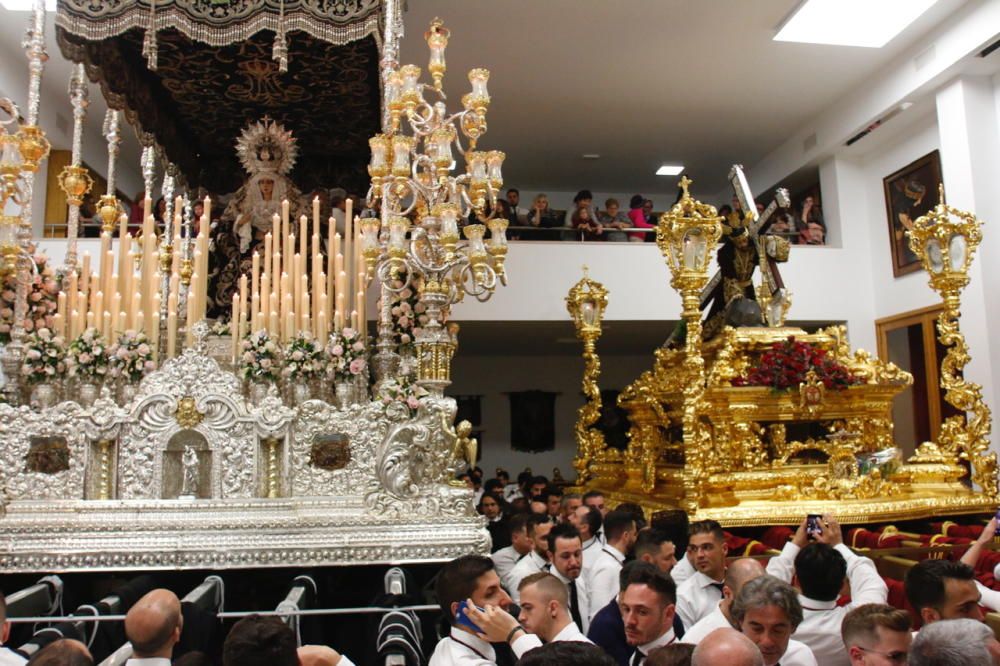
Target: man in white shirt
960,642
588,522
943,590
566,553
153,626
570,503
539,526
620,531
990,598
683,570
876,635
726,646
520,545
544,616
595,500
767,611
820,569
7,656
702,592
647,605
739,573
469,579
655,546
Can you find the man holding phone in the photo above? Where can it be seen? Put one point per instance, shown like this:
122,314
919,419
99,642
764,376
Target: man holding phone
467,578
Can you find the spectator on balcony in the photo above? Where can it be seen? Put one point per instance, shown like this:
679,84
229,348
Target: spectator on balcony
638,218
809,223
784,227
542,217
613,221
586,225
516,215
583,200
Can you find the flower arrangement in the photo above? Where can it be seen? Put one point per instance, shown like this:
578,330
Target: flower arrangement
42,292
408,313
87,357
401,391
259,360
347,354
221,328
131,356
785,365
44,356
304,358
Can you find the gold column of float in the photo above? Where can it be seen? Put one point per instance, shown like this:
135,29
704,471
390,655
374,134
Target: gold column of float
586,302
104,484
273,446
945,240
686,235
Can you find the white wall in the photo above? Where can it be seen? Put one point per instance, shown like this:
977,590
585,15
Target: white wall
493,376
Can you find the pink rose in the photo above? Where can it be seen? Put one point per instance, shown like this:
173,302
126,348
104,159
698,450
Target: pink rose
149,366
412,402
404,339
8,295
357,366
29,325
337,350
358,346
404,322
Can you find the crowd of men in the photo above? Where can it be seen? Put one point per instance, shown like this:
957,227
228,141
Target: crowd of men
586,586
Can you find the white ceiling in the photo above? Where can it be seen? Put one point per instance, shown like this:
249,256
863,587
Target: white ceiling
642,83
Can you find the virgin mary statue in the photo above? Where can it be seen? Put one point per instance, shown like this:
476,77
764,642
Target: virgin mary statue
267,152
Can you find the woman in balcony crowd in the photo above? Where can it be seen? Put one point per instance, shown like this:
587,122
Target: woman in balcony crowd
638,217
810,225
584,223
613,221
543,217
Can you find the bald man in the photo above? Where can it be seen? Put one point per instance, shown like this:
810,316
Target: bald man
739,573
726,647
153,625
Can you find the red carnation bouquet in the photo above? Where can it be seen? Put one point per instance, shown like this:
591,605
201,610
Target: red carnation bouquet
785,365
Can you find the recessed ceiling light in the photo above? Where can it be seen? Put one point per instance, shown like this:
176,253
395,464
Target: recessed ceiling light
591,156
850,22
25,5
670,170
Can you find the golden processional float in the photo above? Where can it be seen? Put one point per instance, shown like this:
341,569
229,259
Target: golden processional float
763,424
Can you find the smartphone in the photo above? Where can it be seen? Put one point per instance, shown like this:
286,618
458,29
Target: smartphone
813,525
997,533
463,619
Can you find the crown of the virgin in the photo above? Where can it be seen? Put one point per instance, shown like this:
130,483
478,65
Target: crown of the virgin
266,146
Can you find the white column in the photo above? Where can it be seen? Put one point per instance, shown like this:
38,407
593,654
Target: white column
970,162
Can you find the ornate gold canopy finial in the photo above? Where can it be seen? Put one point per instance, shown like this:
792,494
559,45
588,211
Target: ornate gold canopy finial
586,271
684,183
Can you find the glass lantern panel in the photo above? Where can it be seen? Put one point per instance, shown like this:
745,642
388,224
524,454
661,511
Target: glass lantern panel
694,249
934,255
588,312
956,252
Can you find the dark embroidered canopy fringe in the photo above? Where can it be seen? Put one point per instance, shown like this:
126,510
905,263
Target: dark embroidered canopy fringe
201,96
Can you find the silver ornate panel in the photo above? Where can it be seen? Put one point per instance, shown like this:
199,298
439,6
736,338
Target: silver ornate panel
384,498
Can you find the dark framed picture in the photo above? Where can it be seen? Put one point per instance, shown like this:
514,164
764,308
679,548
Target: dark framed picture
909,193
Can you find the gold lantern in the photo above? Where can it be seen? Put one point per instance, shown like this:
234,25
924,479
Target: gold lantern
945,241
586,302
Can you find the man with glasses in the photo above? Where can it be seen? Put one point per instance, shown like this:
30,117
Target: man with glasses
877,635
701,593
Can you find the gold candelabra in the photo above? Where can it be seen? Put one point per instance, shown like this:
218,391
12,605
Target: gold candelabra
417,241
945,240
22,149
686,235
586,302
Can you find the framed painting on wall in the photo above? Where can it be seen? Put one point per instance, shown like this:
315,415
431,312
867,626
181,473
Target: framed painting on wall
909,193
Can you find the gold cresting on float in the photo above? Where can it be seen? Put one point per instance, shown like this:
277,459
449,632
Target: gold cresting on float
751,455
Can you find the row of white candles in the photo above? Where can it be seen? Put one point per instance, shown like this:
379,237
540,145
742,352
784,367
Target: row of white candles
286,296
119,299
125,299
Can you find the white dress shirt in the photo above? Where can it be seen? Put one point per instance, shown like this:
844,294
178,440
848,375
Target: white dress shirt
10,658
591,550
696,597
529,564
821,620
526,642
797,654
148,661
504,561
603,580
682,570
461,648
989,598
582,595
665,639
705,626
